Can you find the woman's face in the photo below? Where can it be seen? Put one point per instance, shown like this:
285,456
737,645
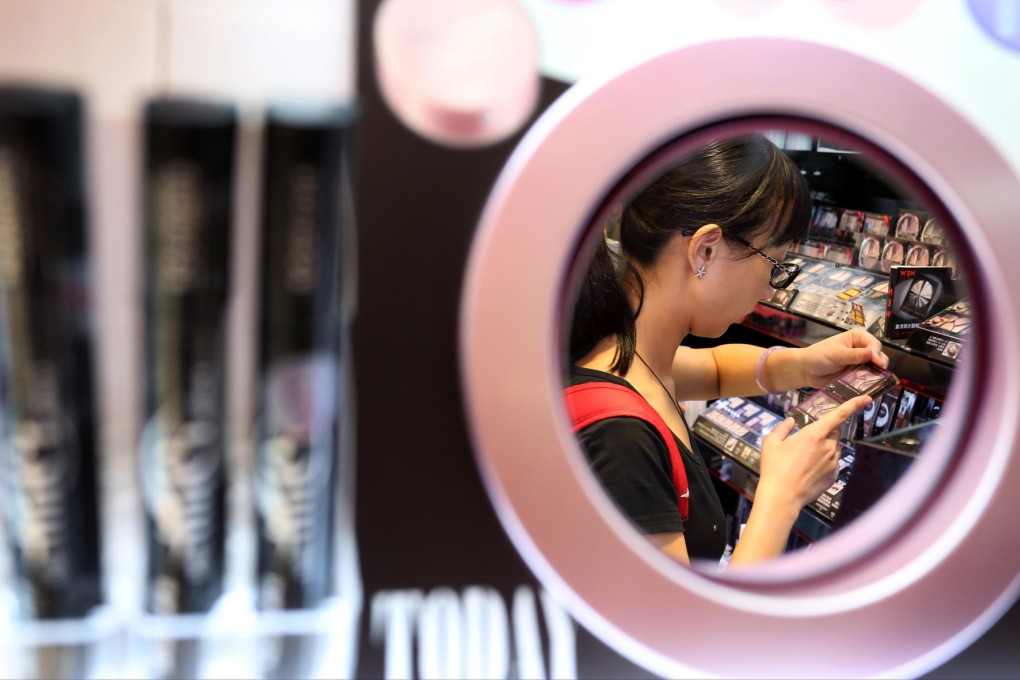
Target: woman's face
740,281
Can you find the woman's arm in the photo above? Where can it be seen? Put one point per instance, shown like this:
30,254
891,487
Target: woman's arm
731,370
673,544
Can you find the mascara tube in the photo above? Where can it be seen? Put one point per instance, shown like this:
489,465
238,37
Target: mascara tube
299,360
48,466
189,153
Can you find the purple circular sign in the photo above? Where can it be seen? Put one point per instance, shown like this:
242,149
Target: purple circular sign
1000,19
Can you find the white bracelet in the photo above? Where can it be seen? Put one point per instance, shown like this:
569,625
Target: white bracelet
759,370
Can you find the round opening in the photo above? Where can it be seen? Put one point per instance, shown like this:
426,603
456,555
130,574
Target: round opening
877,250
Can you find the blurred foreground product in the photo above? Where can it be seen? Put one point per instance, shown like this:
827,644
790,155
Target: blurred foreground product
48,486
48,434
189,153
300,371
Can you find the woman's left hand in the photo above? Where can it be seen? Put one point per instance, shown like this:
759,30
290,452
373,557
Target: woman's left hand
827,359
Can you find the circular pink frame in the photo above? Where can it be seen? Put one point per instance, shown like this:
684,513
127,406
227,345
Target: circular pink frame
917,599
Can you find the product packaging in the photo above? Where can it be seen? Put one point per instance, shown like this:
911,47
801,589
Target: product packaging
189,154
876,224
914,294
825,221
851,220
48,433
869,254
300,371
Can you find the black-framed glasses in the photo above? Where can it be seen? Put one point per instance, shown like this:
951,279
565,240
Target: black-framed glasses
783,273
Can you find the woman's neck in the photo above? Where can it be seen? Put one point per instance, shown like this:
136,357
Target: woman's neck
660,328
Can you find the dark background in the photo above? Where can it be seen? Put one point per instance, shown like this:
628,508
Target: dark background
423,516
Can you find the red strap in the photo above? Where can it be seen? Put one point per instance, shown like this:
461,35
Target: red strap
592,402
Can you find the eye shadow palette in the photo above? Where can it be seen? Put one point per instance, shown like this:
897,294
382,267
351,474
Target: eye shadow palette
864,379
943,334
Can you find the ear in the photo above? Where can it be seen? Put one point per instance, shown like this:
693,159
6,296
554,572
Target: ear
704,246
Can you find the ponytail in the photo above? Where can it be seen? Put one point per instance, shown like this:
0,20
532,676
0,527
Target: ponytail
603,308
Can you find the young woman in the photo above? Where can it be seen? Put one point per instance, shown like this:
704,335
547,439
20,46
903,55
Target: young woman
699,248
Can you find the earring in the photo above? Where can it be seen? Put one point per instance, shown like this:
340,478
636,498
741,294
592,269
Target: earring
701,271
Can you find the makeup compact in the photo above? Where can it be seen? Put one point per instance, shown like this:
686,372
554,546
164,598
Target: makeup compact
943,258
892,254
908,226
932,233
917,255
871,251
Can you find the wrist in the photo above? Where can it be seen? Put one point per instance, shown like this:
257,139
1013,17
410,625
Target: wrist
762,373
777,502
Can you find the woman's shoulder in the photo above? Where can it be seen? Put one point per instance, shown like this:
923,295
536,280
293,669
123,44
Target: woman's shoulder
623,437
629,432
580,375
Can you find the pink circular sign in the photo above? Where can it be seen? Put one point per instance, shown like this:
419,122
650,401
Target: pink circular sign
457,73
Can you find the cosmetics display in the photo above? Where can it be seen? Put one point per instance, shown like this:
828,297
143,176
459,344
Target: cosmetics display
735,428
299,355
774,320
49,503
832,293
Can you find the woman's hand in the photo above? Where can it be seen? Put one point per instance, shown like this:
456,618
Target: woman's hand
826,360
803,465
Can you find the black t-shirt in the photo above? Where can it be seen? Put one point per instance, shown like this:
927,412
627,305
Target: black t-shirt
632,462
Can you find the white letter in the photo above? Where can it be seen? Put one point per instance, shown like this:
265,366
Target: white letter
530,663
486,638
393,614
439,636
562,642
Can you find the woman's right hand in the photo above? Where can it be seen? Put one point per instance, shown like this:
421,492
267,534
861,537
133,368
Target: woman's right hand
802,465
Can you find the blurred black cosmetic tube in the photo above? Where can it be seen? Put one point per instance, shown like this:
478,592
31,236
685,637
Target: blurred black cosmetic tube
48,466
188,188
296,443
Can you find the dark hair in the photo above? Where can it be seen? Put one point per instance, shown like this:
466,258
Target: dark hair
745,185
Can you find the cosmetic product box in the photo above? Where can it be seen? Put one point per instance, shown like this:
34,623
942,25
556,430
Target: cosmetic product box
915,293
